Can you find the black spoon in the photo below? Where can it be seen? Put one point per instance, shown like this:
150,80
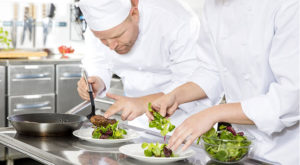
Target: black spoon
90,90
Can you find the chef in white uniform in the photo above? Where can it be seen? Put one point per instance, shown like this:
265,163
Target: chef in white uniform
150,44
249,52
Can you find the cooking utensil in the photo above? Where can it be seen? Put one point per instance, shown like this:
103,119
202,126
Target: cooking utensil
27,25
90,90
33,16
14,26
48,14
46,124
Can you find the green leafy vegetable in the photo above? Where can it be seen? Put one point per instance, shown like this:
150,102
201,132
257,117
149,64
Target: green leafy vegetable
157,150
4,41
161,123
109,132
225,145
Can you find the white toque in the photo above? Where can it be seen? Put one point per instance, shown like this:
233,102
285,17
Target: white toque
102,15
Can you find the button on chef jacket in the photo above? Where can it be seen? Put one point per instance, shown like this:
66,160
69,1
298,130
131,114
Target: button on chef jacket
162,58
250,52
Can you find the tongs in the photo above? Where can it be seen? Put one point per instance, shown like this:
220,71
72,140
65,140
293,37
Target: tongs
90,90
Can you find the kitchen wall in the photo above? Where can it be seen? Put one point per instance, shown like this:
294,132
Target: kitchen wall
59,35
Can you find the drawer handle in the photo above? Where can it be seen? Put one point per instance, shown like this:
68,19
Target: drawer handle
71,75
32,106
32,76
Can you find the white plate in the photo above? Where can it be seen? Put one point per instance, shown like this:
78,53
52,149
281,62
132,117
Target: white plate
86,134
136,151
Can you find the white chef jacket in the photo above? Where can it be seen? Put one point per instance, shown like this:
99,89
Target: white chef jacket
163,56
250,52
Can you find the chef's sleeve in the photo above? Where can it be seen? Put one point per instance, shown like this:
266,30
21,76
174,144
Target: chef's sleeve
183,58
95,60
207,75
279,107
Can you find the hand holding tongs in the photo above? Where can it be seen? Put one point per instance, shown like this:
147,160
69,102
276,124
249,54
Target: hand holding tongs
90,90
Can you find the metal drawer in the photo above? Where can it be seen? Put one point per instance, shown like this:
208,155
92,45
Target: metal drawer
2,96
31,104
67,77
2,152
30,79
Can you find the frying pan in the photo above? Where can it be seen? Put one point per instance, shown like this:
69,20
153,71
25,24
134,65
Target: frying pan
48,124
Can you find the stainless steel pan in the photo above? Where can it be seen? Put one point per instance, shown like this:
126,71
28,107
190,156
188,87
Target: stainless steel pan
48,124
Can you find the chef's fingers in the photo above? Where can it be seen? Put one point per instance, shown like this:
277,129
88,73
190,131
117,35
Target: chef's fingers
175,136
181,137
92,79
113,96
131,117
125,114
149,115
189,142
83,93
172,109
112,110
162,109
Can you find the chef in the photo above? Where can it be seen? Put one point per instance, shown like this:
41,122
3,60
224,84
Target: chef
250,52
151,45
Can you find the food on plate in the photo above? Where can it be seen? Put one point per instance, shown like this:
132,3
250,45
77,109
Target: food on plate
99,120
225,145
106,128
157,150
161,123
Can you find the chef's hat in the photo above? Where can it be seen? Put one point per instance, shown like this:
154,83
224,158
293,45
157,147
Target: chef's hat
102,15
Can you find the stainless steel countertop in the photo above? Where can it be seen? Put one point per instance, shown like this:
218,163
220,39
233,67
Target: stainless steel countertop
5,62
71,150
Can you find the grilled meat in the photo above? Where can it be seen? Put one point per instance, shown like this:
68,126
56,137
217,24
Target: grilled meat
99,120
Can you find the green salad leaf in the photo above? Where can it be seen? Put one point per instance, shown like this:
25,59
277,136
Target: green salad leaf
157,150
225,145
161,123
111,131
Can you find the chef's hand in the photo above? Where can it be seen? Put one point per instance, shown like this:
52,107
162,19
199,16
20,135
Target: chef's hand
131,107
192,128
166,105
97,85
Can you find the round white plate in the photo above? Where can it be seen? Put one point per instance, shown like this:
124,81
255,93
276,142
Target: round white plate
86,134
136,151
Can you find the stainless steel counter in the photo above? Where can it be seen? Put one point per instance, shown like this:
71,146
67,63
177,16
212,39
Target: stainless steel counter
71,150
6,62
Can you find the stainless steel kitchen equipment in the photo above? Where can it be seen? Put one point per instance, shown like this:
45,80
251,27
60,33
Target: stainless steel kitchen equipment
46,124
2,106
30,79
2,96
71,150
31,104
67,76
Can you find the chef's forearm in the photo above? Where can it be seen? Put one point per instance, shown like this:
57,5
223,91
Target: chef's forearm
229,113
188,92
152,97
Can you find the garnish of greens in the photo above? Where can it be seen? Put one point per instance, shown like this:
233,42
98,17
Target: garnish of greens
225,145
111,131
157,150
161,123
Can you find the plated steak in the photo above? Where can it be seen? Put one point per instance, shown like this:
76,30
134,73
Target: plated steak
99,120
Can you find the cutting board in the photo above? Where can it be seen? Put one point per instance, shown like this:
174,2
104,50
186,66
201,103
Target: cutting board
21,54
